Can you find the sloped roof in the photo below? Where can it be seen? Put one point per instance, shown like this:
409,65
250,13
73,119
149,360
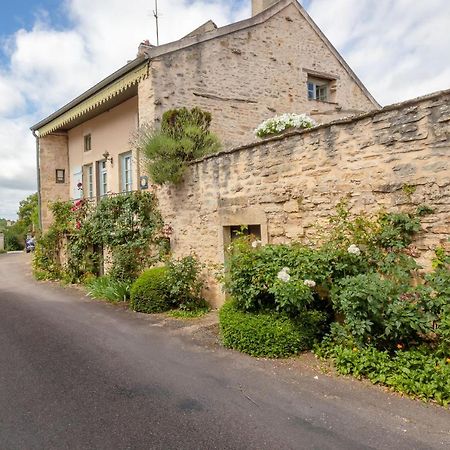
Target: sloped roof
197,37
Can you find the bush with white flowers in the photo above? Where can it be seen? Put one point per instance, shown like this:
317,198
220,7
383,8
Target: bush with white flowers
277,124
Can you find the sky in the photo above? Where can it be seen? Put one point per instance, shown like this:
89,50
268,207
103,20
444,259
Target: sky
53,50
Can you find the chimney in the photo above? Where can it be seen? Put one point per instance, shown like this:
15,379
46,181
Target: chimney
144,46
260,5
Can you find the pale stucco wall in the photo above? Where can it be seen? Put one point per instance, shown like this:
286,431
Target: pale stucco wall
250,75
111,131
289,185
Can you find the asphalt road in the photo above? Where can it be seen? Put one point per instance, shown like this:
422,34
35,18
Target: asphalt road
82,374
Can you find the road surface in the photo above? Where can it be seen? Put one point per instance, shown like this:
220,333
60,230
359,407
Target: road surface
82,374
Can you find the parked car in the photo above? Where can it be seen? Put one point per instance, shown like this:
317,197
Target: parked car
30,245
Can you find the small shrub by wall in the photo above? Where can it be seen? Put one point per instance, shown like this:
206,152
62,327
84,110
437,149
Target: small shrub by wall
149,292
176,285
269,334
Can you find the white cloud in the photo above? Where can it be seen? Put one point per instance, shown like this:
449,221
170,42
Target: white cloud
398,48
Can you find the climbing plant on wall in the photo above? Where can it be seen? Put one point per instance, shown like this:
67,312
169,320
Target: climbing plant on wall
128,226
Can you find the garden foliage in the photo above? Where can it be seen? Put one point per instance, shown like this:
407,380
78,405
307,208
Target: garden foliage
149,292
362,271
419,372
129,226
176,285
269,333
108,288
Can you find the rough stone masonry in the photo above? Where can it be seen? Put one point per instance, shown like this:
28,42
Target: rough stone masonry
288,184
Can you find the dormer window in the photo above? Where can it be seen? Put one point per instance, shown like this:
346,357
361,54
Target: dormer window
318,89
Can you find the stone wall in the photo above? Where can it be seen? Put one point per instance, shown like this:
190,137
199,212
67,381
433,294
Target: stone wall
53,154
289,184
250,75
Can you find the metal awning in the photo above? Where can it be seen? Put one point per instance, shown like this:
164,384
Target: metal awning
99,98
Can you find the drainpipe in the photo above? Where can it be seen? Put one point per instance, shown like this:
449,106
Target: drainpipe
38,179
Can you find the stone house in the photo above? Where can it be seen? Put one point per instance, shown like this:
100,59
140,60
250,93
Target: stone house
277,61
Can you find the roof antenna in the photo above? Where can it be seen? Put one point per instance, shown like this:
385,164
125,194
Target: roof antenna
155,14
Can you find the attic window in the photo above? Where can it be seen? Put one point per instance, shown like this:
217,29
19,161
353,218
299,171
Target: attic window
318,89
87,143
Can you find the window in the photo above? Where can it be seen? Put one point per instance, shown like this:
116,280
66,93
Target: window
318,89
126,172
60,176
245,230
88,181
87,143
102,179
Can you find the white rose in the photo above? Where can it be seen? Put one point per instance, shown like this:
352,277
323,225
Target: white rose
354,250
309,283
283,276
256,243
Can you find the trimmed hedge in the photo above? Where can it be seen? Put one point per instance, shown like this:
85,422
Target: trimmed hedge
149,292
269,334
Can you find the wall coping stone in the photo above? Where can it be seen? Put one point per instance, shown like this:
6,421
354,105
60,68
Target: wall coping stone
342,121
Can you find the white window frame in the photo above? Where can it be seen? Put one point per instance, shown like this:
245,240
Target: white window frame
318,89
126,172
88,182
102,178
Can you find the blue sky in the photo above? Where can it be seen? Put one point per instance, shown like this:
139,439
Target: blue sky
22,13
52,50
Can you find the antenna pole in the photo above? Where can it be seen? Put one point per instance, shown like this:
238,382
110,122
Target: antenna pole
155,14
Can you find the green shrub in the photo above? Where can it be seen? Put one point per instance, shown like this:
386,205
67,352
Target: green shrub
46,264
268,334
149,293
183,137
184,283
177,285
417,372
108,288
253,274
381,311
397,229
438,282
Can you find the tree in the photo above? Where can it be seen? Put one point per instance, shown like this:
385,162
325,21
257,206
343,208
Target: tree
28,212
28,223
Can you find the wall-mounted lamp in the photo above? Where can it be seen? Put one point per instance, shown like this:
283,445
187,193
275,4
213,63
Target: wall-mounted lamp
107,157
